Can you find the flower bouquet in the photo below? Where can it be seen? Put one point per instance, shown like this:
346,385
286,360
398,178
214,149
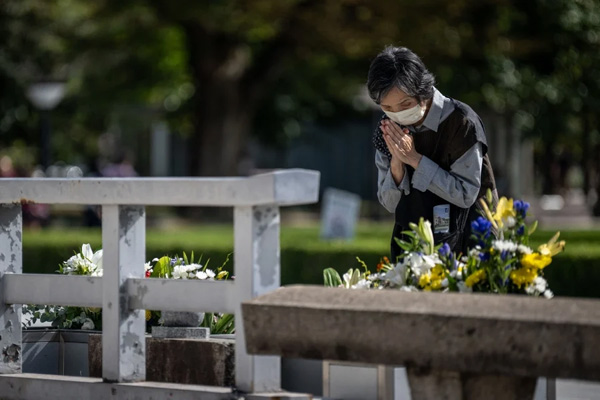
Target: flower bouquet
89,263
185,268
496,264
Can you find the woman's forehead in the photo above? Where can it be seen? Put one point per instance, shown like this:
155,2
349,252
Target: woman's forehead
393,97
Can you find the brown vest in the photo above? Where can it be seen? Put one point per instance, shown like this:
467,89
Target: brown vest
456,134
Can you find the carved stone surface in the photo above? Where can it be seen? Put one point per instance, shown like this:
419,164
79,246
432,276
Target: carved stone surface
181,318
471,333
175,332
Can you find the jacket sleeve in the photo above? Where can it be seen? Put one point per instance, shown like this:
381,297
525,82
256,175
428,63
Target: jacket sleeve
388,193
459,186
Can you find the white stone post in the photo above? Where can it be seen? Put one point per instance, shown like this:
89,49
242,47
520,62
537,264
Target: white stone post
11,261
123,330
256,270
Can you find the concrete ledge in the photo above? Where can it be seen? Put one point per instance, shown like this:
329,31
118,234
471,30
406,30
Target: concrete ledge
484,334
282,187
46,387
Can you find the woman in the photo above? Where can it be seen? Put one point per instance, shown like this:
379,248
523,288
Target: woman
431,152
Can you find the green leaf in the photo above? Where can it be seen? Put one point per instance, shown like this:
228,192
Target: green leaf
331,277
354,276
533,227
162,268
224,324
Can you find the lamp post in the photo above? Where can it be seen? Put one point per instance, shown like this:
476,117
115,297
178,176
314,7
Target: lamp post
45,96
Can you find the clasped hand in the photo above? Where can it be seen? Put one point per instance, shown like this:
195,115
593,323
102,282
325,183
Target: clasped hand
400,144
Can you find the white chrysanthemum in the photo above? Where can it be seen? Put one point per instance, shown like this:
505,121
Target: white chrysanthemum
540,284
211,274
475,252
97,272
376,276
362,284
504,245
537,287
200,275
524,249
421,264
409,289
180,272
548,294
192,267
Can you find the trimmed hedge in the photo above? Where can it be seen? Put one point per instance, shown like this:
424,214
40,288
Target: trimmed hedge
576,272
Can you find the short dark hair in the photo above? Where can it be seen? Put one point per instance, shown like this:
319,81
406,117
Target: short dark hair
399,67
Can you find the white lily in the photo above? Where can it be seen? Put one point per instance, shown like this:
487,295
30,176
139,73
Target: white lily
397,275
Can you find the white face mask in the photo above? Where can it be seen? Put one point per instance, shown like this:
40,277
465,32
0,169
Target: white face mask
407,117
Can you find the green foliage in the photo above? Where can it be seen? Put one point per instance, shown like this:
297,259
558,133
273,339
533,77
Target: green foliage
331,277
65,317
304,256
219,323
162,268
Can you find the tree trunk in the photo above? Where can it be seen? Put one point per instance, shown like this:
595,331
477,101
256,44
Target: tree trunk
221,129
585,149
548,169
222,109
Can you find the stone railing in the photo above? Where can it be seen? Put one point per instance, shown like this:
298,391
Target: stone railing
124,293
454,346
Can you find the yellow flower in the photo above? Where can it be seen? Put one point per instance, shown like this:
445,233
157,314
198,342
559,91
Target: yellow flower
523,276
535,260
148,315
436,284
437,272
222,275
553,247
475,277
424,280
503,211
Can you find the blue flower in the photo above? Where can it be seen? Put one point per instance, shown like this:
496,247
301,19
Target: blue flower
521,207
504,255
484,256
521,230
444,250
481,226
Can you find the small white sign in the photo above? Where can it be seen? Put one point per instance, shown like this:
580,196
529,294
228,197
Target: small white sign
339,214
441,218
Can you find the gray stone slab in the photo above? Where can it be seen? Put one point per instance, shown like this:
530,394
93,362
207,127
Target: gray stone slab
48,387
278,396
170,332
477,333
189,361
